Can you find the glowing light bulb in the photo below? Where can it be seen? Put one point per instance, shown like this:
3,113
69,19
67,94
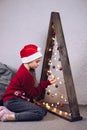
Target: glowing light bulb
58,78
49,90
60,112
47,104
48,107
58,66
55,53
53,39
55,94
56,69
50,63
65,100
69,114
50,49
52,95
55,58
62,96
66,113
58,103
54,109
52,105
43,103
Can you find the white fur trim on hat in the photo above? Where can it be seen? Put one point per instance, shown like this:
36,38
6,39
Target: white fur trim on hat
32,57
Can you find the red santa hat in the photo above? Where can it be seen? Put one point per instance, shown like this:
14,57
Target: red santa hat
29,53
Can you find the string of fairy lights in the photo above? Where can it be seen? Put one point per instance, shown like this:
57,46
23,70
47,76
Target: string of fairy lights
55,95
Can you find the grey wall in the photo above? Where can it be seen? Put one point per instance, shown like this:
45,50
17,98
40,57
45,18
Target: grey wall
27,21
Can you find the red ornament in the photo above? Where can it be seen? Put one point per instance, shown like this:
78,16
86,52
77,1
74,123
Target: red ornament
60,68
53,67
58,48
61,105
53,33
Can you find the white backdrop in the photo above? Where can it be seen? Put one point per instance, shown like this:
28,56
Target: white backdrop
27,21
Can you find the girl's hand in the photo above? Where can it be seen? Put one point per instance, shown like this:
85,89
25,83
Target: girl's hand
52,80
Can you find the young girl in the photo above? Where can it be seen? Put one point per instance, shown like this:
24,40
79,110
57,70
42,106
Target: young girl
17,100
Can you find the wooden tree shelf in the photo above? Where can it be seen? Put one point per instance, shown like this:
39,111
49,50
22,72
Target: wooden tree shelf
55,29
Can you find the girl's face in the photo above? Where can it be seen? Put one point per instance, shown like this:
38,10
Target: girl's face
34,64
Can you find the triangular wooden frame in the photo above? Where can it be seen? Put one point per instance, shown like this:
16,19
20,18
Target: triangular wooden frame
71,94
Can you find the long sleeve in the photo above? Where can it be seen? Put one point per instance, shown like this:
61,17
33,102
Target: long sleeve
27,84
33,92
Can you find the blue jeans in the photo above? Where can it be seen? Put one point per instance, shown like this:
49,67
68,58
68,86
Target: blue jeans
25,111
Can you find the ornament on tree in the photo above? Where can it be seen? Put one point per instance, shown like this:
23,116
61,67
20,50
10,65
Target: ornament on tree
60,68
53,33
53,66
48,93
49,72
56,86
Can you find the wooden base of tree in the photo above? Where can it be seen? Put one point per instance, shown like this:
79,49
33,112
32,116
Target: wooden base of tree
55,32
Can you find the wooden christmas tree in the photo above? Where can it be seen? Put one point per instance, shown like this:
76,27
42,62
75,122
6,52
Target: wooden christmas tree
59,98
